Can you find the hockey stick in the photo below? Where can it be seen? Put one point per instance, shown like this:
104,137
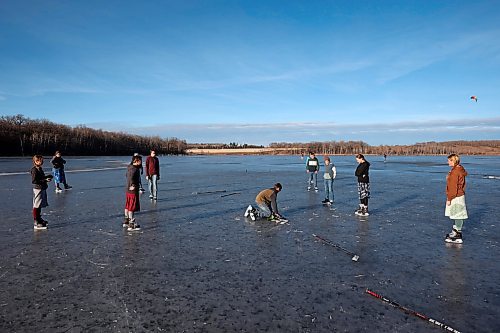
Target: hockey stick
413,312
210,192
355,257
226,195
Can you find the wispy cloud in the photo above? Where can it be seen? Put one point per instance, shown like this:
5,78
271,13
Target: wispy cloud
397,62
374,133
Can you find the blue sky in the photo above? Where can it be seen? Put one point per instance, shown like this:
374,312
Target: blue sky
384,72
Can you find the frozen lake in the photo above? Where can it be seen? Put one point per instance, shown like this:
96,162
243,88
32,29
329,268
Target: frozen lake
198,266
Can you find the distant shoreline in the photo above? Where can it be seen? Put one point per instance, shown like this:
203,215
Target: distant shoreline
286,151
238,151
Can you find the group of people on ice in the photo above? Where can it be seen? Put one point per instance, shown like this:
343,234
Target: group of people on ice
266,199
133,186
455,207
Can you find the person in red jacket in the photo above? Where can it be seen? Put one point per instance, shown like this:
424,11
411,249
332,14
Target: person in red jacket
153,174
455,198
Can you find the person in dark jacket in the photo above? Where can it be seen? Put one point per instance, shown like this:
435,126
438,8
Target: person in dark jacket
153,174
58,172
132,202
141,189
363,184
312,168
39,181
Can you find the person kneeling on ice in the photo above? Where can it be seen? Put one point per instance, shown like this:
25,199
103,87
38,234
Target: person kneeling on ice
266,201
455,198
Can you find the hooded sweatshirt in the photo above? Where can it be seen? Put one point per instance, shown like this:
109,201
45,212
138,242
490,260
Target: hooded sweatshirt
455,182
268,197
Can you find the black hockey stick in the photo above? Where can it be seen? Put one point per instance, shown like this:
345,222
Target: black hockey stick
355,257
413,312
226,195
210,192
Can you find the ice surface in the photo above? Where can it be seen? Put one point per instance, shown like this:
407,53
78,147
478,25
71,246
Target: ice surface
198,265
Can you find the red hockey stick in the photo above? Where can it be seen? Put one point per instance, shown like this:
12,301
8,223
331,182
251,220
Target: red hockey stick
410,311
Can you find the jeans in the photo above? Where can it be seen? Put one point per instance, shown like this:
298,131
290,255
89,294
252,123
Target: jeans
264,209
153,186
329,189
312,179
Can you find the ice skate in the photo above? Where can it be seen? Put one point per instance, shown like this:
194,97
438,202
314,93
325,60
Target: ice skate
359,210
454,236
132,226
40,226
126,222
282,220
247,212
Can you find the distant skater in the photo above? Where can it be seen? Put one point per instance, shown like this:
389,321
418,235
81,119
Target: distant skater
385,158
153,174
329,177
132,202
455,198
312,168
266,200
58,171
363,184
40,185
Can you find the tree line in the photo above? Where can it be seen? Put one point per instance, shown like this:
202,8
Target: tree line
482,147
231,145
22,136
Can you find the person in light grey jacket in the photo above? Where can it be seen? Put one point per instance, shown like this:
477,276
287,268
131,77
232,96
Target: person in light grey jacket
329,177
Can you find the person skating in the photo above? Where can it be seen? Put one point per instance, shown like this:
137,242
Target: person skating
141,189
329,176
153,174
266,200
363,184
312,168
40,184
455,198
58,171
132,202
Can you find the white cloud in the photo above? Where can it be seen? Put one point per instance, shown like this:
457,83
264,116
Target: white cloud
373,133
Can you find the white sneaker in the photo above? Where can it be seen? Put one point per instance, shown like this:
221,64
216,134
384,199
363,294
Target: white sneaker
58,190
249,209
252,216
